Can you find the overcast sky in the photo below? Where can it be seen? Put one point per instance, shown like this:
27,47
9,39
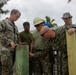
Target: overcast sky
40,8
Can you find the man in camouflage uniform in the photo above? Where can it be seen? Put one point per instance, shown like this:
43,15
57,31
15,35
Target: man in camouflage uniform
26,38
57,39
67,18
8,41
41,58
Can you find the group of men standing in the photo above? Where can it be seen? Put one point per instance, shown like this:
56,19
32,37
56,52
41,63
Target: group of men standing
41,43
44,40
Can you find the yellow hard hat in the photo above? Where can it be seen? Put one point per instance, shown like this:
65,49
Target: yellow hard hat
37,21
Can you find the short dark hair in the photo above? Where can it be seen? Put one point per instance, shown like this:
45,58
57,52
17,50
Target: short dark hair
14,11
26,23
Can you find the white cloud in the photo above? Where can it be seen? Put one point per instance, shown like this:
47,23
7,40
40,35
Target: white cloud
41,8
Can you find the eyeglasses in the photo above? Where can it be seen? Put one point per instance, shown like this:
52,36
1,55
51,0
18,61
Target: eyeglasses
44,33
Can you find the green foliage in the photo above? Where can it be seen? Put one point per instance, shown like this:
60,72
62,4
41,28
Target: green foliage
1,10
51,21
69,1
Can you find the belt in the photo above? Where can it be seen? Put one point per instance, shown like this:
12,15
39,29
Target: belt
37,50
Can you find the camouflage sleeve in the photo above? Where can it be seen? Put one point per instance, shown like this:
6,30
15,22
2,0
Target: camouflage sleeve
74,26
60,38
71,26
3,34
17,34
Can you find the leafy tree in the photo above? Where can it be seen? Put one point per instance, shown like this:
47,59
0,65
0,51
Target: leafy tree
51,21
2,3
69,1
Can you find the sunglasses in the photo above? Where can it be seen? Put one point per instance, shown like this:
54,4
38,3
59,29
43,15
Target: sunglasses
37,25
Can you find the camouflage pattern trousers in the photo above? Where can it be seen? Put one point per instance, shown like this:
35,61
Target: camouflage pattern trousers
64,64
41,67
6,62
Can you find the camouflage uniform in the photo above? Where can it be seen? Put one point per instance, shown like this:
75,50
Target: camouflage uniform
8,33
40,63
59,42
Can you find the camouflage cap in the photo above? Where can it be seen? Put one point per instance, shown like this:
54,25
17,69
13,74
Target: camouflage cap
66,15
